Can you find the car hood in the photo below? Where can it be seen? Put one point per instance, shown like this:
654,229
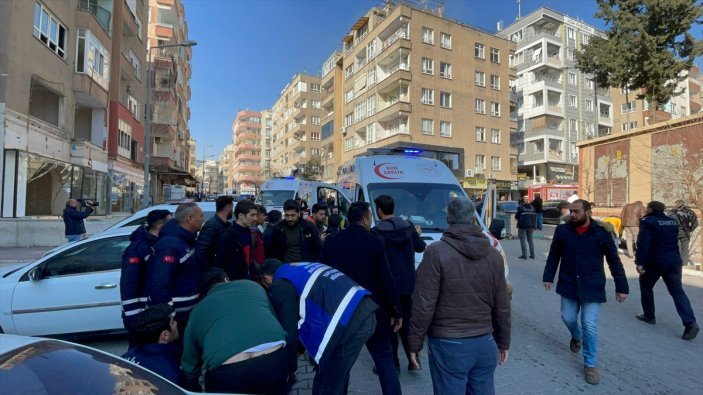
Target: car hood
8,268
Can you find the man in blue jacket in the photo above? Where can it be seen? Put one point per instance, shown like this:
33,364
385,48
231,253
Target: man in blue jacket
73,219
658,256
173,274
134,267
577,250
334,320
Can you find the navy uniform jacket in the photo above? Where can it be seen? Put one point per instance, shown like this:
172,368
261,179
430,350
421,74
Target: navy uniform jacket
657,242
134,269
73,219
162,359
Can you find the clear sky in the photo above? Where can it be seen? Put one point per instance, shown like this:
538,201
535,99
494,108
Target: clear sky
249,50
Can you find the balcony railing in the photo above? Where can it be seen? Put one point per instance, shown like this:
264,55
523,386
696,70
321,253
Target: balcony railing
101,15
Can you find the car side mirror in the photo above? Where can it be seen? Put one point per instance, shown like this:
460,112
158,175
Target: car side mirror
35,274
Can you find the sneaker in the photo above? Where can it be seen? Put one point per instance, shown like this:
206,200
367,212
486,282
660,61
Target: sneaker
691,331
575,345
650,321
532,257
592,376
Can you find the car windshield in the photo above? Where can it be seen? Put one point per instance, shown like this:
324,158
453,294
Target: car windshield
421,204
41,368
273,197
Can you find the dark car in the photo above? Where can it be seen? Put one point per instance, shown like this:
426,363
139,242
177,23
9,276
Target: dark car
551,212
507,206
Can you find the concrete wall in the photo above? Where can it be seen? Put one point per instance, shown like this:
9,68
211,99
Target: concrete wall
44,232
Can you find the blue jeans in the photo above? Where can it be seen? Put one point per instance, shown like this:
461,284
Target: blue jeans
463,366
72,238
525,236
587,331
540,220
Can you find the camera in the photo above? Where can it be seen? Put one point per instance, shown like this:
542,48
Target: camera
92,202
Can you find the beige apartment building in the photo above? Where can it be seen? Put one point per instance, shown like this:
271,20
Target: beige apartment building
226,158
266,134
410,78
332,83
245,170
296,121
171,95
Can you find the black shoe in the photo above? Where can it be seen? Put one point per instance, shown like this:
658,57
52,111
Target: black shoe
532,257
575,345
650,321
522,257
691,331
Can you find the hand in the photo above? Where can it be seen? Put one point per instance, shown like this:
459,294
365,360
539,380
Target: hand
547,286
418,229
396,324
323,236
620,297
415,359
640,269
502,356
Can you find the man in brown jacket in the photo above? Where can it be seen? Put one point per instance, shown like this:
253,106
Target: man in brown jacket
461,302
630,215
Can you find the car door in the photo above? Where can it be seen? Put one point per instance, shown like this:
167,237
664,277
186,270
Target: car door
77,290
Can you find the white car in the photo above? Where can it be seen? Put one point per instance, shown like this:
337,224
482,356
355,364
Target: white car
74,289
139,218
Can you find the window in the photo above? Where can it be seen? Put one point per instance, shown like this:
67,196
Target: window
349,95
315,120
445,70
495,55
495,136
480,162
371,105
495,163
92,58
445,129
124,138
495,82
349,119
133,106
445,99
97,256
571,33
315,87
360,111
371,79
427,126
588,104
370,133
573,125
348,71
49,30
480,78
314,136
427,35
315,104
480,106
445,40
427,66
572,101
479,51
629,107
572,78
480,134
570,54
348,143
589,83
427,96
495,109
585,38
628,126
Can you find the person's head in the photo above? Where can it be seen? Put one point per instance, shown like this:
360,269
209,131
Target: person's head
72,203
538,195
655,207
575,193
156,219
291,212
525,199
319,212
679,203
190,217
224,205
267,271
246,213
274,216
210,278
334,222
563,208
261,216
155,325
460,210
360,214
580,212
385,205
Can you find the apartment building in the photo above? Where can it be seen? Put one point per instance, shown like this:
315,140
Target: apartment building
266,134
331,142
226,159
171,95
67,74
414,79
557,105
296,120
245,170
191,157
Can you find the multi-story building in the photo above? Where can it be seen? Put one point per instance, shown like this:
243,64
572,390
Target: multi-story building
296,120
246,161
191,157
557,105
226,166
266,133
414,79
59,80
331,142
171,94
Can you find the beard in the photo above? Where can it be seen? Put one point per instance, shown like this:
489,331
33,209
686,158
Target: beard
578,222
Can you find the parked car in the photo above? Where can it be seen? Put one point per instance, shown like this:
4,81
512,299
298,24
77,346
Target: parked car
507,206
34,365
139,218
72,290
551,212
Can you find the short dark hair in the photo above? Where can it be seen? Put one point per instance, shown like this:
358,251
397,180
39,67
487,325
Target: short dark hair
317,207
563,204
210,278
357,212
269,267
656,206
386,204
274,216
156,217
586,204
223,201
291,204
334,222
261,208
148,325
243,207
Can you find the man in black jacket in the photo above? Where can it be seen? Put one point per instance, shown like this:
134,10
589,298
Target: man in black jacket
402,240
211,231
658,256
359,254
294,239
537,204
234,252
73,219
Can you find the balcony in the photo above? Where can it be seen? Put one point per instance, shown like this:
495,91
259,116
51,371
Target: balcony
397,73
238,167
89,92
248,157
540,34
101,15
163,131
241,137
161,164
393,111
536,157
85,153
328,101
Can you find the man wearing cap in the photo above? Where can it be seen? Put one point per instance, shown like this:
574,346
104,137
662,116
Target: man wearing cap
134,264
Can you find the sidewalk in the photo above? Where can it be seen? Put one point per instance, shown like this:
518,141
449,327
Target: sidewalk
21,254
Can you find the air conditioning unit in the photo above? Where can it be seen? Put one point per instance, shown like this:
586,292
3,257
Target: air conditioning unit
344,130
468,172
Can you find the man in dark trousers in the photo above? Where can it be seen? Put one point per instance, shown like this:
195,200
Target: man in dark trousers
630,216
73,219
658,256
359,254
234,252
334,305
537,204
402,240
294,239
173,274
211,231
134,267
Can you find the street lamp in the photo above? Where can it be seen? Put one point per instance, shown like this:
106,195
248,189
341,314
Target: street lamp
202,179
147,124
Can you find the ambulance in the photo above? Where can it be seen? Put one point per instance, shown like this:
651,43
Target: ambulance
274,192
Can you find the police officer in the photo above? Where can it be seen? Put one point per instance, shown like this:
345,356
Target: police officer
658,256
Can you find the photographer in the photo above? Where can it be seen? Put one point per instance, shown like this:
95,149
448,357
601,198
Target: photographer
73,219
